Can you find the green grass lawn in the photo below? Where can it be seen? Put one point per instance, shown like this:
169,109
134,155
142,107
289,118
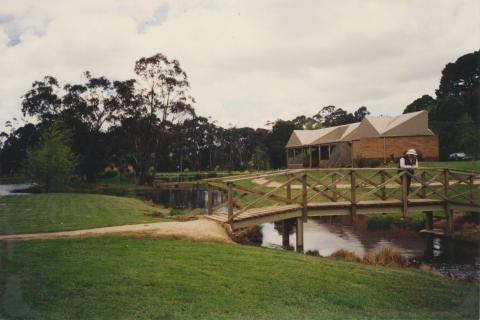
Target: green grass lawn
463,165
69,211
116,186
147,278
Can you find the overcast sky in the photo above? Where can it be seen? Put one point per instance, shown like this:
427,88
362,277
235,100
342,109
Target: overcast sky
248,61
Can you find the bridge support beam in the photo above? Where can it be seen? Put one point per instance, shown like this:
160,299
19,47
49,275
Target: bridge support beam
449,214
299,235
285,234
428,220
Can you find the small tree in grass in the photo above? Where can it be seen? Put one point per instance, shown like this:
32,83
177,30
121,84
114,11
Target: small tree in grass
51,163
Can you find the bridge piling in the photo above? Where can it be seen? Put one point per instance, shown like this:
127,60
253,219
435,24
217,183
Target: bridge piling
450,217
405,193
428,220
353,196
299,235
210,200
285,234
304,197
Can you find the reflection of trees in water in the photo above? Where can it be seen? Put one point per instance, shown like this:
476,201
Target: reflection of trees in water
443,250
407,241
289,224
194,198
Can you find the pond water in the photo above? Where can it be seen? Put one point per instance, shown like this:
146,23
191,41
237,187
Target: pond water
325,235
180,199
11,189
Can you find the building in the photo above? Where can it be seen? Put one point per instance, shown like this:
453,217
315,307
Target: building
375,138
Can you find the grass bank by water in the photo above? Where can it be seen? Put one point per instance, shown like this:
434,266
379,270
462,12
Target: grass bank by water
145,278
70,211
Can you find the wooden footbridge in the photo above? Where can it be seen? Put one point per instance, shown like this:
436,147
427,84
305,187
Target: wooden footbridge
299,194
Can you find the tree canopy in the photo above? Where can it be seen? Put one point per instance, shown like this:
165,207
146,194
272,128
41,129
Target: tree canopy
148,123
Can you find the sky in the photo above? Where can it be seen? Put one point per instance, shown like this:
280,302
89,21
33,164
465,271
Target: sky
248,61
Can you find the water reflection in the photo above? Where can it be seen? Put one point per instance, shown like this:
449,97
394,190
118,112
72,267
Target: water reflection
194,198
11,189
326,235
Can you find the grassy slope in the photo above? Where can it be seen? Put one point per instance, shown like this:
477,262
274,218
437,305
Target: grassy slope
67,211
142,278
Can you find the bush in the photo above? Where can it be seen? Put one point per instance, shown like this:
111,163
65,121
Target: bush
110,174
346,255
51,163
360,162
369,258
374,163
314,253
389,256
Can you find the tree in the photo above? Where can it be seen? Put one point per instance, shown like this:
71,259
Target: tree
360,113
85,108
461,77
260,159
425,102
276,141
149,106
468,137
52,162
43,100
331,116
15,146
456,106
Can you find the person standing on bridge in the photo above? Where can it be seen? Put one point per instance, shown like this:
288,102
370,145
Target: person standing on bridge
409,162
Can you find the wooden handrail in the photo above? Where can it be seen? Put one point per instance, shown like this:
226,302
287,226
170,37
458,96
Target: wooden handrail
436,184
265,196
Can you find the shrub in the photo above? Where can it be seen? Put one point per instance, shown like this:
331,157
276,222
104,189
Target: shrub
369,258
346,255
389,256
51,163
109,174
314,253
360,162
425,268
374,163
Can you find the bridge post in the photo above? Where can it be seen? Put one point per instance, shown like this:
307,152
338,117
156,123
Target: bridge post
423,177
334,187
404,193
382,181
471,181
449,214
428,220
210,200
446,183
299,235
285,234
304,197
230,201
289,190
353,195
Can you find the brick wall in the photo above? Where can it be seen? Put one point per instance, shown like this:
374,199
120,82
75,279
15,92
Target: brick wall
378,148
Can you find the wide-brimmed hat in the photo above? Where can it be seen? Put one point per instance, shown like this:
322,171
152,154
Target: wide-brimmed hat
412,152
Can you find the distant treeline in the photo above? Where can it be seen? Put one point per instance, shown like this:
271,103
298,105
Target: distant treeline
148,124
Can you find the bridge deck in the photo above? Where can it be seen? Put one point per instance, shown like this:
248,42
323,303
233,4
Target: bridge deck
274,213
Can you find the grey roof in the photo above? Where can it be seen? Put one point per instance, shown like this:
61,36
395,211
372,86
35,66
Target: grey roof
410,124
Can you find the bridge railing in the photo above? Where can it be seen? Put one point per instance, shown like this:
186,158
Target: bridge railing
353,186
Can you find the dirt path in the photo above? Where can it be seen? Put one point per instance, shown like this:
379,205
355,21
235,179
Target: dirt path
196,230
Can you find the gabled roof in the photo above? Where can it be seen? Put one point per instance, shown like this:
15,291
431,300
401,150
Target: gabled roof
410,124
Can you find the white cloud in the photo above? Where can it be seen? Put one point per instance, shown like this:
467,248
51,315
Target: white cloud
248,61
